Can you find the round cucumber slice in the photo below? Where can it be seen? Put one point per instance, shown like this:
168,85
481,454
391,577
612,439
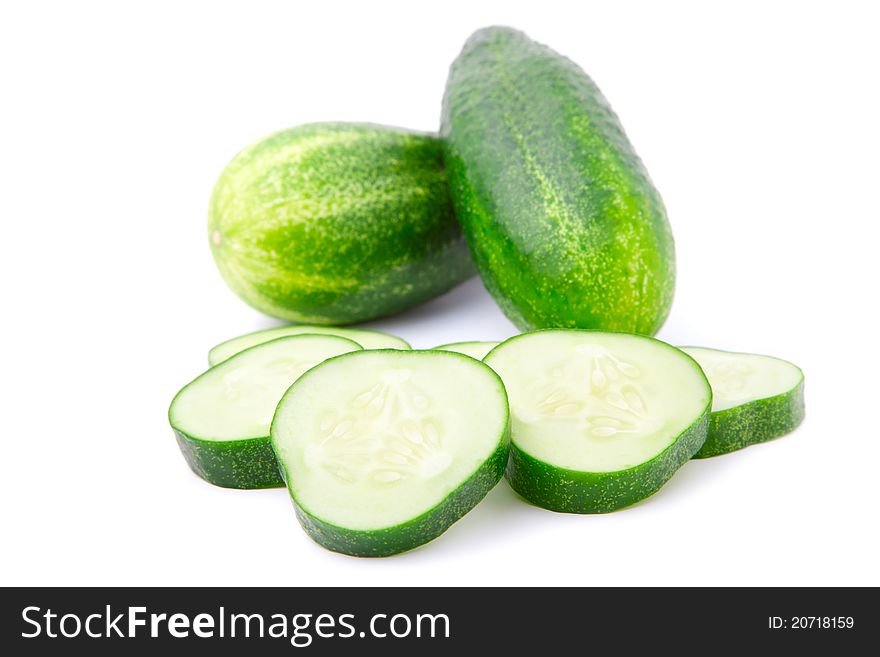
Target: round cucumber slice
365,338
383,450
221,419
476,350
598,420
755,398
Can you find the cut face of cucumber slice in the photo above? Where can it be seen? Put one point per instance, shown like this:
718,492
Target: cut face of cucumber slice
222,418
756,398
598,420
365,338
383,450
476,350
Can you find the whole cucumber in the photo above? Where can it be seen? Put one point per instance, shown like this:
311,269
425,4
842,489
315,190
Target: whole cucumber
563,222
335,223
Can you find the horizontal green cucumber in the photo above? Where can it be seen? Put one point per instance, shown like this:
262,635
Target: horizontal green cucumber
599,420
563,222
755,398
221,419
365,338
473,349
383,450
337,223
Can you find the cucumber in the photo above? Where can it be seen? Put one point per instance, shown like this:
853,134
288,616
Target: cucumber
755,398
564,224
336,223
598,420
366,339
221,419
476,350
383,450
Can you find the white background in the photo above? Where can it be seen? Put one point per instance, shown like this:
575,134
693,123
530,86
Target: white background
758,122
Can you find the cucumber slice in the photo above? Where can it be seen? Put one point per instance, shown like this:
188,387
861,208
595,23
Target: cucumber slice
755,398
383,450
221,419
366,339
598,420
476,350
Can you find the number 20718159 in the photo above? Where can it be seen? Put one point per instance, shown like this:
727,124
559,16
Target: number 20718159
811,622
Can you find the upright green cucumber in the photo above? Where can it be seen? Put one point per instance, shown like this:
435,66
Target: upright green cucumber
336,223
563,222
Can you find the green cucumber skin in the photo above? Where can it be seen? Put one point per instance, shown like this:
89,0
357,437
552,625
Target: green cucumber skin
418,531
563,222
337,223
569,491
243,464
755,422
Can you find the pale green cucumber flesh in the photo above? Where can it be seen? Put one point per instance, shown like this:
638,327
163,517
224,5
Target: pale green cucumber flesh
221,419
755,398
337,223
474,349
383,450
563,222
598,420
364,337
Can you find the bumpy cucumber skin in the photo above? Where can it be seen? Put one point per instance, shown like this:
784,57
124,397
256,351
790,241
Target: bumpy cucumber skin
570,491
563,222
418,531
755,422
337,223
243,464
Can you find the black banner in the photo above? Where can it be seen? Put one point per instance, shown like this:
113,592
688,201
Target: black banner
432,621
